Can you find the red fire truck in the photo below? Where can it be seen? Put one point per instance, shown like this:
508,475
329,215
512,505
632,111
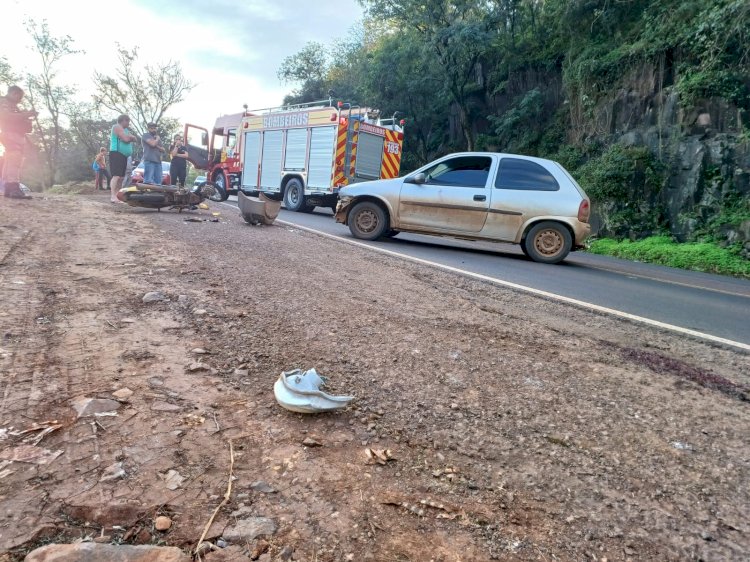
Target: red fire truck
217,153
305,153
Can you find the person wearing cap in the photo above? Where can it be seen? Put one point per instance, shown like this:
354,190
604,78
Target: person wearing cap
120,148
15,124
152,150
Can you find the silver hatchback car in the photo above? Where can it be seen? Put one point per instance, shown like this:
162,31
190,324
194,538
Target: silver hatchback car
476,196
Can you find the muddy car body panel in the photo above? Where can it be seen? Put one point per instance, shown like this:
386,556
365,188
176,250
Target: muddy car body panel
480,196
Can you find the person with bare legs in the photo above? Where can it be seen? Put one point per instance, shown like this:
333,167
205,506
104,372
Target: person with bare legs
120,147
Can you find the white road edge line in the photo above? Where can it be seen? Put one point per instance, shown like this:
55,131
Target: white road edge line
524,288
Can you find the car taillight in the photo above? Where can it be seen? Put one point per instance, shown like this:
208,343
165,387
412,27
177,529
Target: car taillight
584,210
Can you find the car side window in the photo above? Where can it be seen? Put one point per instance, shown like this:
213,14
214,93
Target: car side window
525,175
464,171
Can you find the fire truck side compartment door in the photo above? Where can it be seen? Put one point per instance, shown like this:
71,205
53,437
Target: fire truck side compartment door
270,170
296,149
320,169
369,156
250,159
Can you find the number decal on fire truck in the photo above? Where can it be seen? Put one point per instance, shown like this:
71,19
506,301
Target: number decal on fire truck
391,147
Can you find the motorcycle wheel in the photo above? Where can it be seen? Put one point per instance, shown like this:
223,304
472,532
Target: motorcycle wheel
220,187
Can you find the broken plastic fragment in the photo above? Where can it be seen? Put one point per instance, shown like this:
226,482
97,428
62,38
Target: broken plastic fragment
258,210
299,391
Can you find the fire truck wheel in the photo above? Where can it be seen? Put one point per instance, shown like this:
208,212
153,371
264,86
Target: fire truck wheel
368,221
294,196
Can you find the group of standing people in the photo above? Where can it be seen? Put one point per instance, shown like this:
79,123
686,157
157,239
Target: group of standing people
15,125
121,150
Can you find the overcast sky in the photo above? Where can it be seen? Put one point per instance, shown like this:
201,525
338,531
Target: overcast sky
230,49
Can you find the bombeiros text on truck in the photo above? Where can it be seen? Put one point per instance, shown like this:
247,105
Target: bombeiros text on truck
301,154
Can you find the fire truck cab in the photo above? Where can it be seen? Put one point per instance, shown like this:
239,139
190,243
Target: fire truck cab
304,154
217,153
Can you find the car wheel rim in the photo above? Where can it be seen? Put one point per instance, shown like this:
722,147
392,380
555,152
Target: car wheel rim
366,221
549,242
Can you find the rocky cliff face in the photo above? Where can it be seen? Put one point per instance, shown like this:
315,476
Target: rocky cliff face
702,153
705,159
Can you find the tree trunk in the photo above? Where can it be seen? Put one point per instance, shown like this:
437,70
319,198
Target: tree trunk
466,127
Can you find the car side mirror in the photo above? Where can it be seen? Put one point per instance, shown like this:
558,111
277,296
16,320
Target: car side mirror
204,139
418,179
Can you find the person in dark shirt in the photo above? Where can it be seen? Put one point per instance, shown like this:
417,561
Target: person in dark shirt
178,165
15,124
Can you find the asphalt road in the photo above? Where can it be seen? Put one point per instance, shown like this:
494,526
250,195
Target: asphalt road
709,304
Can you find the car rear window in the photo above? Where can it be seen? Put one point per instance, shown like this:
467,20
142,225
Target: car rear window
524,175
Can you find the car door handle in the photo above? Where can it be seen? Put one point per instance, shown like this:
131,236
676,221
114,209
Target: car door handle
480,198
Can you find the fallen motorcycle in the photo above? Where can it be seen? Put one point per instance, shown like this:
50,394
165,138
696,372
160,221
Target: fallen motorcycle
158,197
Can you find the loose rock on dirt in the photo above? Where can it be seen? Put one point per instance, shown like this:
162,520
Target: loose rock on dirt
92,552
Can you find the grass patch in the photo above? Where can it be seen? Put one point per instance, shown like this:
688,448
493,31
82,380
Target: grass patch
697,256
71,188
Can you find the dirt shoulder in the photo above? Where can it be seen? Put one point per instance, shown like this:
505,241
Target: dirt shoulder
522,429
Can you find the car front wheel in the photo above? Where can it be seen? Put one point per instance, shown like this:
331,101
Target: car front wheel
368,221
547,242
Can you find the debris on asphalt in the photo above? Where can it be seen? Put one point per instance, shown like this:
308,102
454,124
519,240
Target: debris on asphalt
299,391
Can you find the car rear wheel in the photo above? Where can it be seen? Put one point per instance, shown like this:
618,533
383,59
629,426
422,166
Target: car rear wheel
294,196
220,188
547,242
368,221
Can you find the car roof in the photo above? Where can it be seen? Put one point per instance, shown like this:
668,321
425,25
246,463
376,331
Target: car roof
502,155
